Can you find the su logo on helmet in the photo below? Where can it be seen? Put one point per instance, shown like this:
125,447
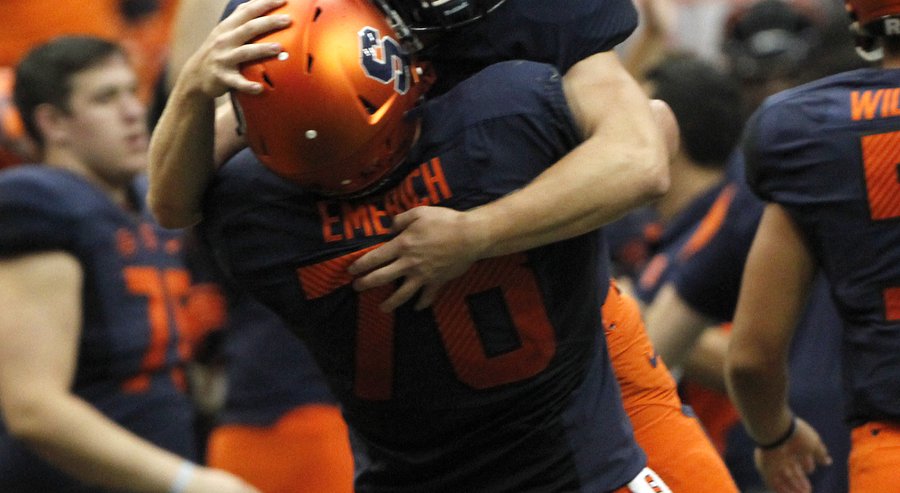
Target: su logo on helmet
383,59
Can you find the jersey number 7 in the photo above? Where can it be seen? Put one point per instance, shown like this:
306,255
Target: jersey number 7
882,173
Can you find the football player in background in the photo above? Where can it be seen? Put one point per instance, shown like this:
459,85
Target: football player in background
700,288
823,156
91,382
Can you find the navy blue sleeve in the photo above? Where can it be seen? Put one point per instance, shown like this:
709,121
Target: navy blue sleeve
34,217
783,138
709,281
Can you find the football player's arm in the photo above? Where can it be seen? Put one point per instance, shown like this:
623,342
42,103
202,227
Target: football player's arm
673,325
621,164
706,362
39,343
192,137
777,278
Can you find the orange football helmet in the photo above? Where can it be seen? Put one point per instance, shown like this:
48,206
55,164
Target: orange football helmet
331,116
873,19
874,15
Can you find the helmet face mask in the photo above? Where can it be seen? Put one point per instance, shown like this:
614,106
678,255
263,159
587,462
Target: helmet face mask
872,20
332,113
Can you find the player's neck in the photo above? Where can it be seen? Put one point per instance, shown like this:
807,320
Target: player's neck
117,192
890,61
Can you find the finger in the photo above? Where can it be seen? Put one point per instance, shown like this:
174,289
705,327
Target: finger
378,257
808,463
822,455
249,10
428,296
237,82
257,27
379,277
797,478
407,290
404,219
249,52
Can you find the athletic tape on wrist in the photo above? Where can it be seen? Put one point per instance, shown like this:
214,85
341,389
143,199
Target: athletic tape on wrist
183,477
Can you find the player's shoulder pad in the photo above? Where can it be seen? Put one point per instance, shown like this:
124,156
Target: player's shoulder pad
39,207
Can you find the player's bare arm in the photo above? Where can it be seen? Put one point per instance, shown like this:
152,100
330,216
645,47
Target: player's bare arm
621,164
191,136
38,357
756,365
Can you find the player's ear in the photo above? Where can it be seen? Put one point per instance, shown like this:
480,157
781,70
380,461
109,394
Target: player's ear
52,123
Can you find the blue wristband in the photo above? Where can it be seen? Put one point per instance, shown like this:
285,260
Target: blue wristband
183,477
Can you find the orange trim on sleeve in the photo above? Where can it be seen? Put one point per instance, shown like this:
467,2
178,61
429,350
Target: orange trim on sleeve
710,224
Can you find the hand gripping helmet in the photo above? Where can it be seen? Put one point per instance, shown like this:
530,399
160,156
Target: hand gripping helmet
331,116
873,19
439,15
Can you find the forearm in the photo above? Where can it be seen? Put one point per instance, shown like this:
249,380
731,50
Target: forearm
777,276
592,186
75,437
759,391
673,326
706,362
181,157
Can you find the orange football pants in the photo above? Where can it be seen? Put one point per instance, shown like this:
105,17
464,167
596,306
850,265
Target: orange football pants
676,445
307,450
875,458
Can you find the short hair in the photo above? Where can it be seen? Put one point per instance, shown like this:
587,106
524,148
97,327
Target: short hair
44,76
706,103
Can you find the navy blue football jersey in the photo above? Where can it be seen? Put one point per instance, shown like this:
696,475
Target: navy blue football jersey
135,284
270,372
674,244
828,153
504,384
535,30
710,279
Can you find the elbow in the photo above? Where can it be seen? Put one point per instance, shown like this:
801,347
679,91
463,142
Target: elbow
654,179
745,367
26,419
657,181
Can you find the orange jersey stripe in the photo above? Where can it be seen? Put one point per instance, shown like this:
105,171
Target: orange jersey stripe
710,224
